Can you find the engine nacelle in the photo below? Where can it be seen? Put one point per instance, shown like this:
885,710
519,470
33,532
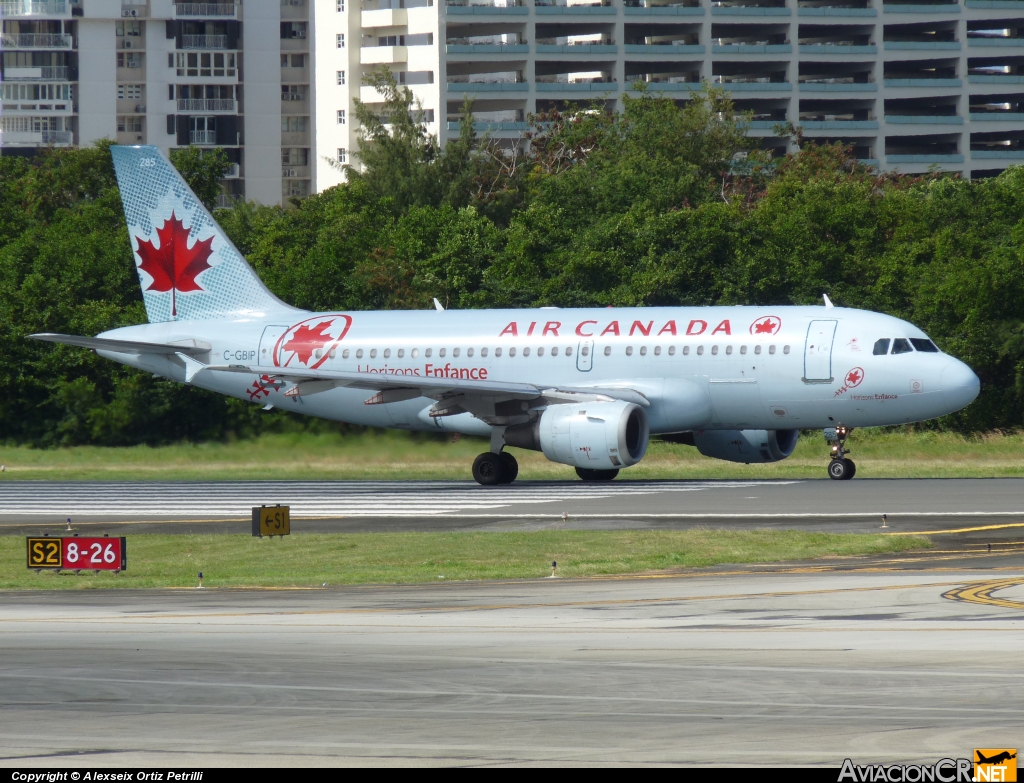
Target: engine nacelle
746,445
597,435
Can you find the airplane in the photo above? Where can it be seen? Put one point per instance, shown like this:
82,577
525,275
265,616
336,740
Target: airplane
586,387
996,759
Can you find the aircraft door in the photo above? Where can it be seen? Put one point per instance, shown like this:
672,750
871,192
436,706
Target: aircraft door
585,356
818,351
270,337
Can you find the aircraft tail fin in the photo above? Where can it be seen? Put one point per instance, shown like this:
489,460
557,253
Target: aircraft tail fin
187,266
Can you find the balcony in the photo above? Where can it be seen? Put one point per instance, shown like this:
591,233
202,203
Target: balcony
751,48
387,17
925,158
196,10
36,138
945,83
204,42
510,8
202,137
902,46
36,41
479,48
836,86
945,8
50,73
551,46
207,104
548,8
474,87
21,8
581,86
993,41
923,119
997,116
829,11
749,10
666,48
383,55
646,8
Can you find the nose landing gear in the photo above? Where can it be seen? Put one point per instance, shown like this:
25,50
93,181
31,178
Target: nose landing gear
840,468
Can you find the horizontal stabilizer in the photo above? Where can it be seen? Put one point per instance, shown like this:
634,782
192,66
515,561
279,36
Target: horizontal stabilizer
186,347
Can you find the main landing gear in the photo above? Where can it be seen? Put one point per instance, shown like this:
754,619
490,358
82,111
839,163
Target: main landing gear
490,469
840,468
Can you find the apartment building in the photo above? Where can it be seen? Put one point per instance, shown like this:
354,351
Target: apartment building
910,85
168,74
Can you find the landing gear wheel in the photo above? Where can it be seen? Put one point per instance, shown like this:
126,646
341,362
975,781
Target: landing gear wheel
489,469
511,467
841,469
588,474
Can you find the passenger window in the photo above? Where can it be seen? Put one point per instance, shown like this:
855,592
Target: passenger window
686,350
771,350
373,353
700,350
629,350
643,350
359,354
657,350
568,351
924,346
900,345
455,353
401,352
607,350
344,354
785,349
714,350
428,352
511,352
415,352
540,351
554,351
333,352
743,350
442,352
728,350
483,352
469,352
881,347
757,350
671,350
526,351
387,353
497,352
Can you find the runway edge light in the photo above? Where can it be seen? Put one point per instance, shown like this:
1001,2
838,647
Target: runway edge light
271,521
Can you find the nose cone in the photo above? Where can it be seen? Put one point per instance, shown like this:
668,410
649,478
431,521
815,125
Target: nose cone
960,385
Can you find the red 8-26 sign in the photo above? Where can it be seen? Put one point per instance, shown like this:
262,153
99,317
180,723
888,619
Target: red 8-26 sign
94,554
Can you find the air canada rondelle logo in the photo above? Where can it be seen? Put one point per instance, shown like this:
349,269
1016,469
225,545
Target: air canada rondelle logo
769,324
310,343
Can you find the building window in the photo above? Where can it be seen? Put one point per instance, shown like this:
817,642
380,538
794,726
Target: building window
204,63
293,124
341,6
341,116
342,155
293,92
341,77
129,124
341,40
130,91
295,156
129,59
291,30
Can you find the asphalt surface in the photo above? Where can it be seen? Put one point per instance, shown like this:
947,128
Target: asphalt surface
120,508
770,665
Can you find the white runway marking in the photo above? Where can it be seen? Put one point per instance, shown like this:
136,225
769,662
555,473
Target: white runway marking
312,498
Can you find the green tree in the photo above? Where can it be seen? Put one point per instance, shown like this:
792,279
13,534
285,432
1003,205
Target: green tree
203,170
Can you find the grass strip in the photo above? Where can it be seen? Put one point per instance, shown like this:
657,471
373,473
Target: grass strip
879,453
311,559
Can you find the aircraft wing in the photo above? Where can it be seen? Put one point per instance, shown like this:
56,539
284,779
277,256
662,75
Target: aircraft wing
454,395
187,347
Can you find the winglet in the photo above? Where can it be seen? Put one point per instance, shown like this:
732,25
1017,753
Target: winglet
828,302
437,305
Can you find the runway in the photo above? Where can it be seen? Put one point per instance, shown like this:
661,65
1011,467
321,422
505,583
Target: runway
362,506
793,666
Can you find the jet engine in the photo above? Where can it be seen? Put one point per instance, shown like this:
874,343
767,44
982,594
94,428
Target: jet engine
746,445
594,435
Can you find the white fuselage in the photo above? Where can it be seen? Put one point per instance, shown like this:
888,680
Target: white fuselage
700,368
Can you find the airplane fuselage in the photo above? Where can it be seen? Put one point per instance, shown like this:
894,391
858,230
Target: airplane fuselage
700,368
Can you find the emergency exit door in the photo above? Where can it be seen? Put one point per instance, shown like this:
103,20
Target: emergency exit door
585,356
818,351
271,336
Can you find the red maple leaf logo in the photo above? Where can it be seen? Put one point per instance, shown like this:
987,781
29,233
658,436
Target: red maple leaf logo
307,339
854,376
770,324
174,266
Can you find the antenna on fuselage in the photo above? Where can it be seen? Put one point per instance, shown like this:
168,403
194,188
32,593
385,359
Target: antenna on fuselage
438,306
828,302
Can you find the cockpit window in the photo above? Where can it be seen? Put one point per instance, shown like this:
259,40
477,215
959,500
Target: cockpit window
881,347
924,346
901,345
